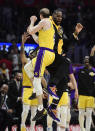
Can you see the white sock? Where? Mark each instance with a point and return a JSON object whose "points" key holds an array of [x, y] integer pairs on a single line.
{"points": [[33, 113], [81, 118], [63, 118], [40, 107], [24, 114], [88, 118], [49, 129], [58, 128]]}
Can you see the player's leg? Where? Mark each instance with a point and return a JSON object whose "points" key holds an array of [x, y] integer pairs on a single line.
{"points": [[49, 123], [63, 103], [44, 59], [63, 120], [24, 116], [58, 115], [62, 65], [68, 118], [81, 106], [89, 108], [33, 113], [88, 118]]}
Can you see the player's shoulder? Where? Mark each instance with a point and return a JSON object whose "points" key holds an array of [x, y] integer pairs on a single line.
{"points": [[45, 20]]}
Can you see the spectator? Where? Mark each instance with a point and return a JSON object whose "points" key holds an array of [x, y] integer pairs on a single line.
{"points": [[6, 113], [14, 93], [4, 70]]}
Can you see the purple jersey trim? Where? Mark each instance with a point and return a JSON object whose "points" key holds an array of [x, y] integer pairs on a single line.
{"points": [[44, 48], [39, 61]]}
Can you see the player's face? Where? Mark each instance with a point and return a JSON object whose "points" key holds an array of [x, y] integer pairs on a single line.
{"points": [[57, 17], [19, 76], [33, 55]]}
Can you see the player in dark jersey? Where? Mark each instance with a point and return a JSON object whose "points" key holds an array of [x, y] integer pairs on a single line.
{"points": [[85, 76], [62, 43]]}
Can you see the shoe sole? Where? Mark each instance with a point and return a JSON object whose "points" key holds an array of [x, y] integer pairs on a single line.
{"points": [[40, 117]]}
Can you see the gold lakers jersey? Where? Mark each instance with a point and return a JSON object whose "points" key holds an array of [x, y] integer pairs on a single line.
{"points": [[27, 90], [60, 33], [46, 37]]}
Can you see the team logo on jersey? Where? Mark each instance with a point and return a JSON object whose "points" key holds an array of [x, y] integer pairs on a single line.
{"points": [[36, 73], [60, 31], [91, 73]]}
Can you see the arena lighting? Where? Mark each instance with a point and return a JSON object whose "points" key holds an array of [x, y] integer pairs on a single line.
{"points": [[27, 46]]}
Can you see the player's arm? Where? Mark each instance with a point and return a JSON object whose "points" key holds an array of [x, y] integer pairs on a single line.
{"points": [[44, 83], [92, 51], [23, 58], [72, 79], [33, 29], [35, 37], [70, 85], [78, 29]]}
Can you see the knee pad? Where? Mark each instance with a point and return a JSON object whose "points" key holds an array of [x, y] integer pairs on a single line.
{"points": [[37, 86]]}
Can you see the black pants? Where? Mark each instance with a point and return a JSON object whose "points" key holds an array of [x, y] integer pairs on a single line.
{"points": [[5, 120], [58, 69]]}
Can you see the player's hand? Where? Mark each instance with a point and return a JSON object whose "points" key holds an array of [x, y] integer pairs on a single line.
{"points": [[92, 51], [25, 36], [70, 85], [33, 19], [78, 28]]}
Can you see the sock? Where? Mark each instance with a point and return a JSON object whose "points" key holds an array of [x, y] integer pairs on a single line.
{"points": [[58, 128], [88, 118], [49, 128], [24, 114], [81, 118]]}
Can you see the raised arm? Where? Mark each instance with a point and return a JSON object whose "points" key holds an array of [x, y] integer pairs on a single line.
{"points": [[33, 29], [23, 58]]}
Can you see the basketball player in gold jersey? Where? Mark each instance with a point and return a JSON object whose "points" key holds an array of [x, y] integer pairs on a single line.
{"points": [[27, 88], [45, 56]]}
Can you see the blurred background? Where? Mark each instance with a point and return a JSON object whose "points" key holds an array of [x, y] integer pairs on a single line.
{"points": [[14, 19]]}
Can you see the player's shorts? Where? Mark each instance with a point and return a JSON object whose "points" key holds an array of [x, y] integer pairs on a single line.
{"points": [[63, 101], [27, 91], [85, 102], [44, 58]]}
